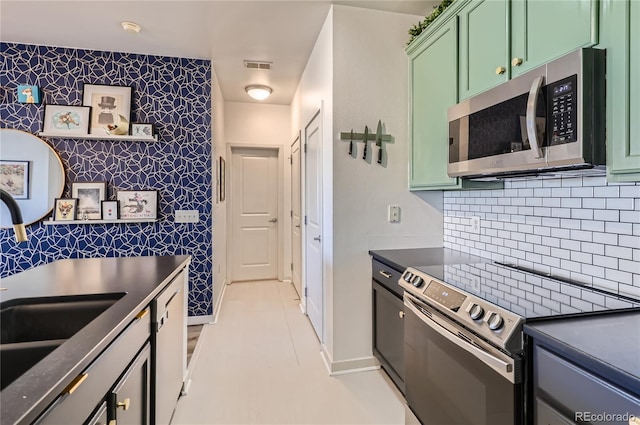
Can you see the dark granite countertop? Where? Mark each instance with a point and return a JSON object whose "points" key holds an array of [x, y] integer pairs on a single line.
{"points": [[141, 278], [607, 344], [400, 259]]}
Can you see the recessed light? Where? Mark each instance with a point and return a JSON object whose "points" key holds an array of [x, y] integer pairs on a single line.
{"points": [[258, 92], [130, 26]]}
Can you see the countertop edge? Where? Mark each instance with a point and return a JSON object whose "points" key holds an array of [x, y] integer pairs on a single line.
{"points": [[584, 360], [9, 402]]}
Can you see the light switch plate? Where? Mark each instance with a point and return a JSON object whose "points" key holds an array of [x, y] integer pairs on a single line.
{"points": [[187, 216], [475, 225], [394, 213]]}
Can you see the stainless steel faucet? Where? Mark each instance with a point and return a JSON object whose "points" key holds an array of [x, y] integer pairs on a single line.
{"points": [[16, 216]]}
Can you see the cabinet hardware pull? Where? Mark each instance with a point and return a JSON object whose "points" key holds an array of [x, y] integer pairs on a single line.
{"points": [[124, 405], [385, 274], [516, 61], [142, 313], [401, 314], [500, 70], [75, 383]]}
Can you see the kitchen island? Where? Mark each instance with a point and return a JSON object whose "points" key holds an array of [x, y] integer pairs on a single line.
{"points": [[136, 282]]}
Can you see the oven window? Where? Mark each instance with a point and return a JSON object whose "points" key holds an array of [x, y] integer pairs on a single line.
{"points": [[445, 384]]}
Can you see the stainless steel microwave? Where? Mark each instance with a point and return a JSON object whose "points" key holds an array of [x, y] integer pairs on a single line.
{"points": [[551, 119]]}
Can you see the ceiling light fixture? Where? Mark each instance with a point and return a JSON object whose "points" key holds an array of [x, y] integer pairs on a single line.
{"points": [[258, 92], [130, 26]]}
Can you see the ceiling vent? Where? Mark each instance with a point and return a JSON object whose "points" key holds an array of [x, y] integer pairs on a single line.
{"points": [[258, 65]]}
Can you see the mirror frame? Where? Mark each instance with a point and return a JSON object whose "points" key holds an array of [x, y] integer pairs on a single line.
{"points": [[58, 193]]}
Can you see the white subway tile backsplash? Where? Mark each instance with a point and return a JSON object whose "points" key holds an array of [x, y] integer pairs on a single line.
{"points": [[581, 228]]}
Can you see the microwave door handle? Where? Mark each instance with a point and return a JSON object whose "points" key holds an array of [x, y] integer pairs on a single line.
{"points": [[531, 117]]}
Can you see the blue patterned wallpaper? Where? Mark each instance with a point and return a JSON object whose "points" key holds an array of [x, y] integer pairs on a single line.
{"points": [[173, 93]]}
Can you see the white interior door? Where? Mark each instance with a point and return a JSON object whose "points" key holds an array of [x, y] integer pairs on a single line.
{"points": [[296, 206], [313, 230], [254, 200]]}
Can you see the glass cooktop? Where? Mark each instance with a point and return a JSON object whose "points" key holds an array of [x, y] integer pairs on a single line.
{"points": [[525, 293]]}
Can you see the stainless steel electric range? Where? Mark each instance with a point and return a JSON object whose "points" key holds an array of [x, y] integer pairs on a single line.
{"points": [[464, 350]]}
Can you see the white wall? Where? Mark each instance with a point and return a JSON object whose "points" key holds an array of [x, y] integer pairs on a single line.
{"points": [[371, 84], [257, 124], [219, 208], [359, 70]]}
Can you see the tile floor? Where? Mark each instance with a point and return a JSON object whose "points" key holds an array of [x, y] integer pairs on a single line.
{"points": [[261, 364]]}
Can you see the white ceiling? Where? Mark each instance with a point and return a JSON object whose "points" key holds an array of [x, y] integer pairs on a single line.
{"points": [[227, 32]]}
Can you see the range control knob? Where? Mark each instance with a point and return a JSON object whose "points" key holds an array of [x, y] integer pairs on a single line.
{"points": [[495, 322], [407, 277], [417, 281], [476, 312]]}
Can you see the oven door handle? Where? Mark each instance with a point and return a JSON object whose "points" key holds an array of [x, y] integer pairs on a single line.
{"points": [[506, 369]]}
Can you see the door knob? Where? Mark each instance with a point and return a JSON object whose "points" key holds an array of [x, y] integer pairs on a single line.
{"points": [[500, 70], [298, 226], [516, 61], [273, 220], [401, 314], [124, 405], [317, 238]]}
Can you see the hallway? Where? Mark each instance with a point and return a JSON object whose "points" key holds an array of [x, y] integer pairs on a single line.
{"points": [[261, 364]]}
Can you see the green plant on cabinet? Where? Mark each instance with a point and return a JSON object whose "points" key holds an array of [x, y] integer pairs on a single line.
{"points": [[501, 39], [621, 37]]}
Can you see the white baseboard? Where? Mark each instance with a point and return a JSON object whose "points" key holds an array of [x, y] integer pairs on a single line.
{"points": [[199, 320], [342, 367], [218, 306], [192, 361]]}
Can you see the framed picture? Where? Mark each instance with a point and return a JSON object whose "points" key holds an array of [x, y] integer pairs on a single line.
{"points": [[14, 178], [221, 179], [110, 210], [110, 108], [63, 120], [28, 94], [142, 129], [90, 195], [138, 204], [65, 209]]}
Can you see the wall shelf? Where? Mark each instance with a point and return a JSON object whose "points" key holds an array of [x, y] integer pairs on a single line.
{"points": [[98, 137], [118, 221]]}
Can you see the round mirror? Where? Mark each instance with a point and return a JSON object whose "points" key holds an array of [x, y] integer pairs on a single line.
{"points": [[32, 172]]}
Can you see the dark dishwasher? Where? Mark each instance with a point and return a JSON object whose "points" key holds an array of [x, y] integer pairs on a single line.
{"points": [[388, 313]]}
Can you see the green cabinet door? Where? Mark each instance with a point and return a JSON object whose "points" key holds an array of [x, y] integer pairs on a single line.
{"points": [[542, 30], [483, 46], [432, 86], [621, 38]]}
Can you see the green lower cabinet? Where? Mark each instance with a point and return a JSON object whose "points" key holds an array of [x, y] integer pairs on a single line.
{"points": [[433, 88], [542, 30], [621, 38]]}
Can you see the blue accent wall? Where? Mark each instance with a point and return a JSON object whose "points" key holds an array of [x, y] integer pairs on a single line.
{"points": [[172, 93]]}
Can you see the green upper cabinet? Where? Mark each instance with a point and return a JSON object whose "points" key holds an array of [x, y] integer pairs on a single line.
{"points": [[501, 39], [542, 30], [621, 37], [432, 91], [483, 46]]}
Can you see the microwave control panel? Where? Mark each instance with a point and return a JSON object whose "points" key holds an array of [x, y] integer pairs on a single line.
{"points": [[563, 97]]}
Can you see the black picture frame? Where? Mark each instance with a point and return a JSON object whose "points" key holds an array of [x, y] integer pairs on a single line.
{"points": [[110, 210], [90, 196], [65, 209]]}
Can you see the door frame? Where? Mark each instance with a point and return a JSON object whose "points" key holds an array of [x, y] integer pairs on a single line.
{"points": [[300, 177], [229, 194]]}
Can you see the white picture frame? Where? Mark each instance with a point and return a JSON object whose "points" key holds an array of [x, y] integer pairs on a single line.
{"points": [[66, 120]]}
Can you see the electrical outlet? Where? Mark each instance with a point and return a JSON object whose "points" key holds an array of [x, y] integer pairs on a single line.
{"points": [[394, 213], [187, 216], [475, 225], [475, 283]]}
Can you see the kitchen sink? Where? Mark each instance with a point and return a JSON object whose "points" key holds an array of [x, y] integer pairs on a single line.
{"points": [[31, 328]]}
